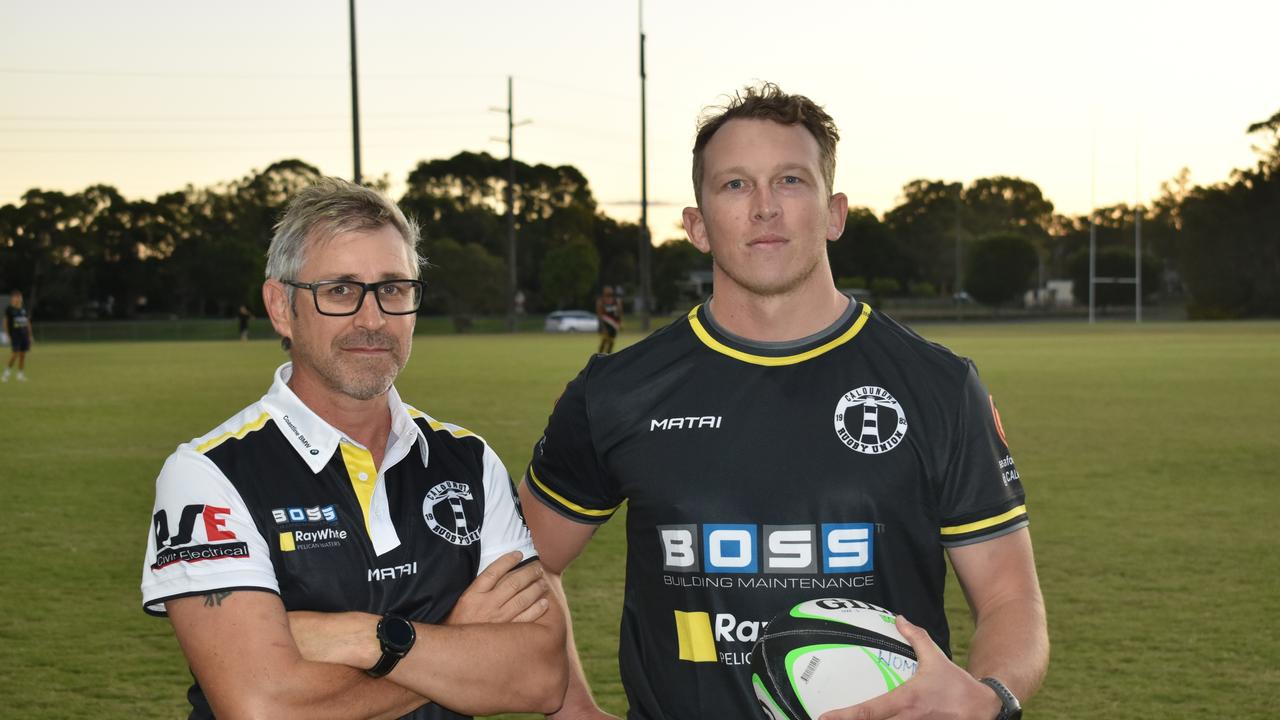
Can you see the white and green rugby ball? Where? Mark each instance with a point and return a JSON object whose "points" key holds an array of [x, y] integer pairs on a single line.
{"points": [[828, 654]]}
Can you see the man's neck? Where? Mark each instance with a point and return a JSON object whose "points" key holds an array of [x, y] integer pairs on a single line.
{"points": [[368, 422], [777, 318]]}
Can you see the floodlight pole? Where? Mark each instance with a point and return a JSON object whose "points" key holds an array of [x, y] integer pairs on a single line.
{"points": [[645, 247], [511, 212], [1137, 264], [1137, 233], [1093, 211], [1093, 250], [355, 96], [956, 296], [510, 196]]}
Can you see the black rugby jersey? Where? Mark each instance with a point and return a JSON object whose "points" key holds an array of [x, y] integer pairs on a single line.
{"points": [[278, 500], [757, 477]]}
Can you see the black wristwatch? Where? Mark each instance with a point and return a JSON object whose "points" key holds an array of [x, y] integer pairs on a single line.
{"points": [[396, 636], [1010, 708]]}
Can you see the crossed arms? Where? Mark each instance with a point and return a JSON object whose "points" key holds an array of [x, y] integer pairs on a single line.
{"points": [[501, 649]]}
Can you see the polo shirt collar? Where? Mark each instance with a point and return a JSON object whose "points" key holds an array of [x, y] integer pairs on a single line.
{"points": [[316, 440]]}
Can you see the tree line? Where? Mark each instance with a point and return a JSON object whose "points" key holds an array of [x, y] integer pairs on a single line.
{"points": [[200, 251]]}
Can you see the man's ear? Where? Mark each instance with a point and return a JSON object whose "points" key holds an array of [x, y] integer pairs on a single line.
{"points": [[696, 229], [275, 298], [837, 215]]}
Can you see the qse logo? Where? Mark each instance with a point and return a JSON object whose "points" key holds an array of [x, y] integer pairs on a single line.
{"points": [[741, 548], [179, 548]]}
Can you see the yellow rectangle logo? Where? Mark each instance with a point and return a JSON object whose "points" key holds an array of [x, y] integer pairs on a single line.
{"points": [[693, 632], [286, 542]]}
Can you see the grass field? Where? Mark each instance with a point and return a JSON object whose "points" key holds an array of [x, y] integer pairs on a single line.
{"points": [[1149, 454]]}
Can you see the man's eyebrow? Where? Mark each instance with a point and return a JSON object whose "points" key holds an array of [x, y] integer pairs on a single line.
{"points": [[350, 277], [782, 167]]}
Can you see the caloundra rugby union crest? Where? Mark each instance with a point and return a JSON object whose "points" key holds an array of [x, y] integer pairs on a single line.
{"points": [[869, 420]]}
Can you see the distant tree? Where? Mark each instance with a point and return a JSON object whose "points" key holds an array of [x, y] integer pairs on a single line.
{"points": [[1006, 204], [1229, 243], [924, 224], [465, 279], [569, 274], [868, 248], [1000, 268], [463, 198], [673, 260], [885, 287]]}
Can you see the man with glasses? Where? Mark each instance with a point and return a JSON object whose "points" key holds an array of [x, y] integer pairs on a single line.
{"points": [[331, 551]]}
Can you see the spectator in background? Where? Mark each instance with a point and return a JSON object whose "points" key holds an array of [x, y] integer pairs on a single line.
{"points": [[18, 325]]}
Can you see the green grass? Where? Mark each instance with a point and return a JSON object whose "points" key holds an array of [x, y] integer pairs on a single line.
{"points": [[1149, 455]]}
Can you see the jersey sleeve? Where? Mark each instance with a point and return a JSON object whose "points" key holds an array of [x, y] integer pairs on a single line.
{"points": [[202, 537], [503, 529], [982, 496], [566, 473]]}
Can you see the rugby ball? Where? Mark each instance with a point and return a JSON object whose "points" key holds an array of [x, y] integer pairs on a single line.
{"points": [[827, 654]]}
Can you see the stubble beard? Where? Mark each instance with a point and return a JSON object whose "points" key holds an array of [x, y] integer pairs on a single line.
{"points": [[770, 286], [361, 378]]}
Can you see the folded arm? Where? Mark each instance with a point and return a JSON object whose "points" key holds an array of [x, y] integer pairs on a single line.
{"points": [[242, 653], [502, 648]]}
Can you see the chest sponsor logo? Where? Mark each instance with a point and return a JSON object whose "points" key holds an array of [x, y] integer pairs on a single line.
{"points": [[395, 572], [305, 515], [451, 511], [748, 549], [201, 535], [698, 422], [869, 420], [328, 537]]}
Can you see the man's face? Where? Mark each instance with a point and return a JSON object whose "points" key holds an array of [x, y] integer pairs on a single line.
{"points": [[766, 213], [357, 355], [15, 299]]}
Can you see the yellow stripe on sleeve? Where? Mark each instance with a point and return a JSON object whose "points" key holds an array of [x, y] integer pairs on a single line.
{"points": [[567, 502], [983, 524]]}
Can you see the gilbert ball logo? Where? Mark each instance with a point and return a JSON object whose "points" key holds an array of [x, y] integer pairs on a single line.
{"points": [[869, 420]]}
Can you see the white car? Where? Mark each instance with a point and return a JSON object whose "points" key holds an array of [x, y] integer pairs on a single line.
{"points": [[572, 321]]}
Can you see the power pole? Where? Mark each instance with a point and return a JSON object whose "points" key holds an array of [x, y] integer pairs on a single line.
{"points": [[957, 297], [355, 95], [645, 247], [510, 195]]}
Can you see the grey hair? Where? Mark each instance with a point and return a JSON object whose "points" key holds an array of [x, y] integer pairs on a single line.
{"points": [[331, 207]]}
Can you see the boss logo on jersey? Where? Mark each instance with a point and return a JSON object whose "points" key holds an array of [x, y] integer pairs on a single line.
{"points": [[186, 546], [869, 420], [450, 512], [768, 549], [300, 515]]}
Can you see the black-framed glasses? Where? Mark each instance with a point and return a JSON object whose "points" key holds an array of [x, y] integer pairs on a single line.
{"points": [[345, 297]]}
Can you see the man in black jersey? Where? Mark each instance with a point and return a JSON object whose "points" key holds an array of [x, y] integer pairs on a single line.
{"points": [[609, 316], [331, 551], [782, 443]]}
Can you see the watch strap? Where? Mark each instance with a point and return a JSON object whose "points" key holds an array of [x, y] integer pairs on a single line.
{"points": [[390, 655], [1010, 708]]}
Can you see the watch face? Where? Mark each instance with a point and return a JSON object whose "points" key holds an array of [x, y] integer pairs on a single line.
{"points": [[397, 632]]}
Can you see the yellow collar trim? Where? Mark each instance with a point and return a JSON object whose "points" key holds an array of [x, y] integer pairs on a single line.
{"points": [[769, 360]]}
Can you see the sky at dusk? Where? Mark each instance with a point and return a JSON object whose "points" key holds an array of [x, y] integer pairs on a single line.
{"points": [[1093, 101]]}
